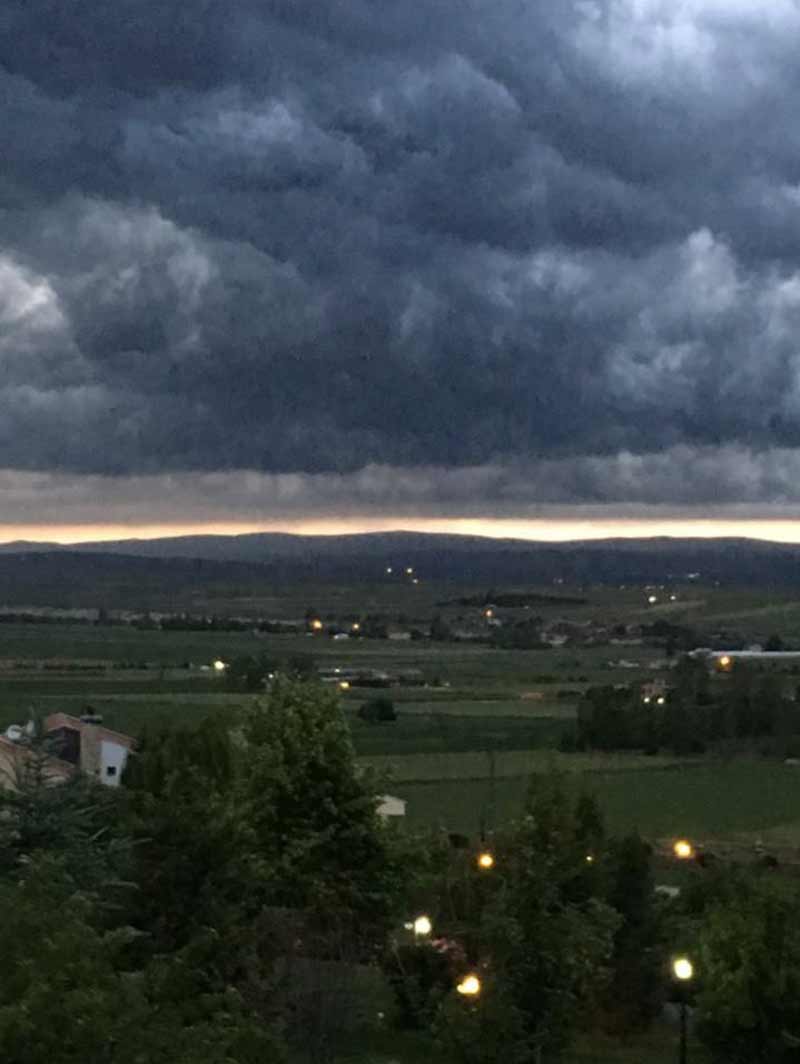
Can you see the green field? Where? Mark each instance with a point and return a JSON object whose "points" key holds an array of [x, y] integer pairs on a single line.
{"points": [[467, 735], [518, 708], [514, 764], [458, 664], [445, 734], [127, 714], [707, 801], [411, 734]]}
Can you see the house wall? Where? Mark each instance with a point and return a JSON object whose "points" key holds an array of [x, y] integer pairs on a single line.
{"points": [[112, 756]]}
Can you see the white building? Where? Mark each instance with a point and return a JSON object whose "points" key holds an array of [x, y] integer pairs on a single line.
{"points": [[83, 741], [389, 806]]}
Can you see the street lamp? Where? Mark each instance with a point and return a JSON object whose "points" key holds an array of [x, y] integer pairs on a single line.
{"points": [[683, 850], [422, 926], [470, 986], [485, 861], [683, 970]]}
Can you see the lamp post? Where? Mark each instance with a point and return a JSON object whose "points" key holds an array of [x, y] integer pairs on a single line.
{"points": [[470, 986], [683, 970], [683, 850], [422, 927]]}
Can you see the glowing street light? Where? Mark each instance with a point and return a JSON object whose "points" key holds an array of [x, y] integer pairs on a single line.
{"points": [[725, 661], [470, 986], [422, 926], [590, 858], [683, 970], [485, 861], [344, 685], [683, 850], [652, 599], [219, 665], [316, 625]]}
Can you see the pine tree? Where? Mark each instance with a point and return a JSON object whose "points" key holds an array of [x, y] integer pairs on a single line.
{"points": [[320, 846], [636, 989]]}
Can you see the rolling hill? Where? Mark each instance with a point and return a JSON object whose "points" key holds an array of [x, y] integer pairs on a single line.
{"points": [[178, 568]]}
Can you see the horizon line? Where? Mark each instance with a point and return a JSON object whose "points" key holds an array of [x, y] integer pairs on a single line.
{"points": [[534, 530]]}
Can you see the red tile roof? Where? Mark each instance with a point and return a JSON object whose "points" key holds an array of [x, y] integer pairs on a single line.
{"points": [[64, 720]]}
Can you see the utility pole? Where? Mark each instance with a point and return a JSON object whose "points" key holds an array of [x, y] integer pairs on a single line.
{"points": [[684, 1047]]}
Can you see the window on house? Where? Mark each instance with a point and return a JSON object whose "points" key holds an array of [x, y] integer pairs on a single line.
{"points": [[111, 770]]}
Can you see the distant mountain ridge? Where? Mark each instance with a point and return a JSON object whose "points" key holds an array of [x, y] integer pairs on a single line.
{"points": [[265, 547], [179, 570]]}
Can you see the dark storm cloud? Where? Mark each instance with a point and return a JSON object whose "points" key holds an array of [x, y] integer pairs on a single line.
{"points": [[675, 484], [314, 237]]}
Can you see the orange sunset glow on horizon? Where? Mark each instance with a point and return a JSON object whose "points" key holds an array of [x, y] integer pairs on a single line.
{"points": [[549, 530]]}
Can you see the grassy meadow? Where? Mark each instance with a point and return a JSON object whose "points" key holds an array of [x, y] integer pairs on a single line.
{"points": [[710, 802], [468, 736]]}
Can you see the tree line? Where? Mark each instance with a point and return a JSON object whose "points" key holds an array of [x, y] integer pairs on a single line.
{"points": [[745, 708]]}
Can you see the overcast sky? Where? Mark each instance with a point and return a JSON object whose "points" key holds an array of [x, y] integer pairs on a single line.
{"points": [[277, 262]]}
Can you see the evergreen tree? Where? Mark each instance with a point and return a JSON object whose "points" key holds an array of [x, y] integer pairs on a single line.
{"points": [[319, 843], [635, 991], [190, 840]]}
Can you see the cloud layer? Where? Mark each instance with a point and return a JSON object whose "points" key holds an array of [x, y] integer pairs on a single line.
{"points": [[502, 254], [678, 483]]}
